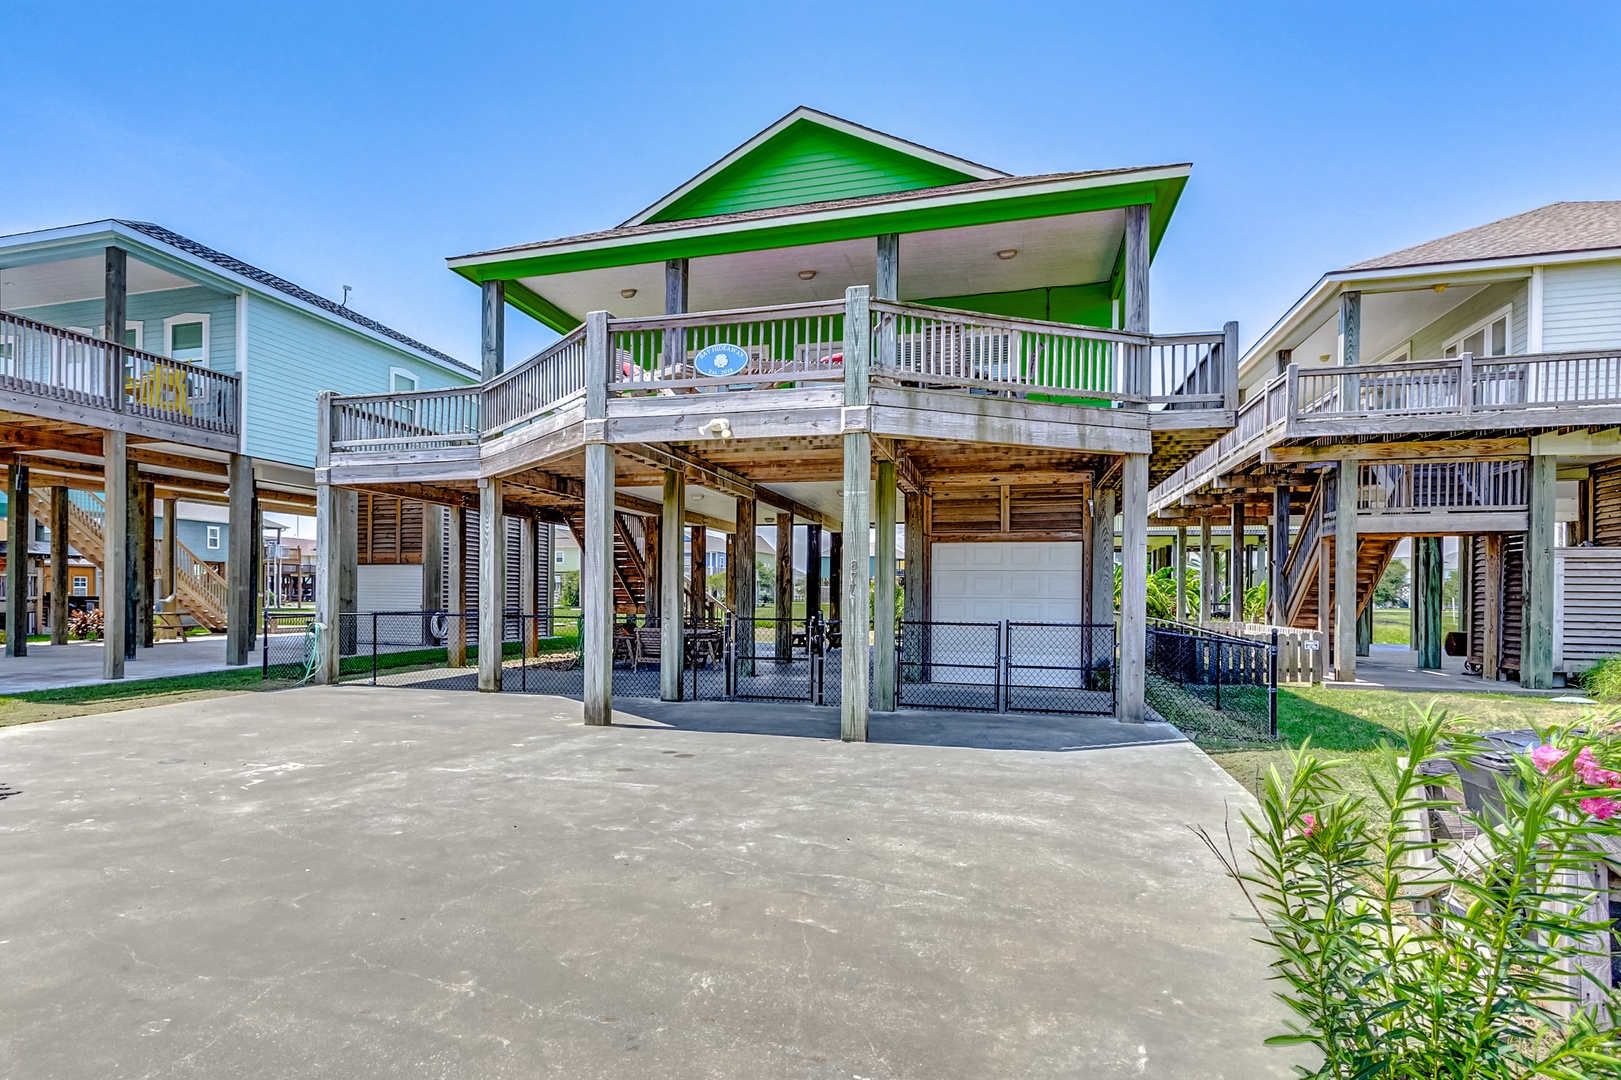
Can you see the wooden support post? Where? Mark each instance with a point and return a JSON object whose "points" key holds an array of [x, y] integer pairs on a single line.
{"points": [[1491, 632], [652, 591], [813, 571], [697, 584], [672, 638], [528, 591], [493, 330], [17, 536], [1235, 563], [675, 303], [1133, 587], [1427, 577], [1181, 572], [145, 550], [456, 587], [835, 576], [135, 531], [854, 701], [492, 583], [1466, 587], [327, 523], [1134, 298], [1536, 633], [1278, 556], [239, 562], [1364, 630], [545, 568], [1102, 556], [728, 578], [115, 534], [1345, 552], [883, 594], [347, 542], [166, 553], [433, 557], [59, 565], [1207, 570], [1325, 594], [596, 555], [115, 290], [745, 588], [887, 281], [914, 599], [783, 601]]}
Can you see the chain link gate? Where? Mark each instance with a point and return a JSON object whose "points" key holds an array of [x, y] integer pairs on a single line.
{"points": [[949, 665], [785, 659], [1213, 686], [1061, 668]]}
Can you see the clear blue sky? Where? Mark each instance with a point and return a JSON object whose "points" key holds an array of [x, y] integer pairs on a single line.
{"points": [[362, 144]]}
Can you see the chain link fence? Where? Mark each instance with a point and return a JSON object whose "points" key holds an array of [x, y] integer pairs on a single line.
{"points": [[1061, 668], [1213, 687], [949, 665], [289, 644]]}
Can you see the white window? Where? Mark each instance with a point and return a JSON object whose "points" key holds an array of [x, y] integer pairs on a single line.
{"points": [[401, 381], [134, 332], [1489, 337], [213, 538], [1399, 355], [33, 586], [81, 585], [185, 337]]}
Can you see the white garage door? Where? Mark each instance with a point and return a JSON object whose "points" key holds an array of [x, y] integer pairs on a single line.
{"points": [[1031, 582]]}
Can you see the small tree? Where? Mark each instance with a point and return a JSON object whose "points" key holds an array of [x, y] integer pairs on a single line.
{"points": [[1485, 985], [1392, 587]]}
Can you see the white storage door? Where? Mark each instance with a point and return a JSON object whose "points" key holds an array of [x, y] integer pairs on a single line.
{"points": [[1035, 582], [387, 587]]}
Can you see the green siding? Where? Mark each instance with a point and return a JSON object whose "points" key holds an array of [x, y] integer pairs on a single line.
{"points": [[807, 163], [293, 356], [1082, 305]]}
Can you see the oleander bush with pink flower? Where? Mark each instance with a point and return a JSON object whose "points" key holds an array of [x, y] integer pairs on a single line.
{"points": [[1403, 958]]}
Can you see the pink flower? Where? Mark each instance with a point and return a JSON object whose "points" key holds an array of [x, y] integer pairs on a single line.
{"points": [[1592, 773], [1601, 807], [1308, 824], [1546, 757]]}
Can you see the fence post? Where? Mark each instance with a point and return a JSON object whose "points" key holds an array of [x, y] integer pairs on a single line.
{"points": [[1272, 688], [264, 654], [1216, 656], [374, 648]]}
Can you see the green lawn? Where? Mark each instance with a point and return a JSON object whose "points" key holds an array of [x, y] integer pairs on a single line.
{"points": [[1350, 724], [1394, 626], [35, 705]]}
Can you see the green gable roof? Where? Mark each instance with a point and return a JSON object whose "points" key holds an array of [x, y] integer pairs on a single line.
{"points": [[808, 162]]}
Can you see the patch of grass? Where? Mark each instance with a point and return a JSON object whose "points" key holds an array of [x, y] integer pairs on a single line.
{"points": [[1394, 626], [35, 705], [1603, 680]]}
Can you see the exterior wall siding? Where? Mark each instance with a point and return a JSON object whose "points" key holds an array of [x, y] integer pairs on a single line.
{"points": [[1581, 306], [293, 356], [1429, 342], [149, 310]]}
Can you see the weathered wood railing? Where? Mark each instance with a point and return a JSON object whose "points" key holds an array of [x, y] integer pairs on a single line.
{"points": [[1460, 386], [545, 382], [790, 343], [1305, 545], [1267, 408], [1301, 653], [417, 420], [46, 362], [1441, 486]]}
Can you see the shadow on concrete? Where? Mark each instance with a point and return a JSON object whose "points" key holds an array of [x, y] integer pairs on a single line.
{"points": [[909, 727]]}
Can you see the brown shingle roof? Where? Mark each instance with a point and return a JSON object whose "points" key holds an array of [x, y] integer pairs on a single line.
{"points": [[1553, 229], [766, 213]]}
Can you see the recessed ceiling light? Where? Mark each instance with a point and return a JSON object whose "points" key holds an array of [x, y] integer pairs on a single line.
{"points": [[1007, 253], [627, 293], [1441, 287], [806, 275]]}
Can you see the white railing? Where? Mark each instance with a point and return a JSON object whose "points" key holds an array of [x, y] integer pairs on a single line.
{"points": [[542, 384], [421, 419], [1441, 486], [775, 346], [41, 361]]}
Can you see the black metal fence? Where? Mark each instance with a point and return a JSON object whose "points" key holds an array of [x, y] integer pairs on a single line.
{"points": [[289, 644], [1212, 686], [1061, 667], [784, 659], [949, 665]]}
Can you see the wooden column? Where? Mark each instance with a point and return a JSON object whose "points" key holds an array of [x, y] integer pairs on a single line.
{"points": [[545, 569], [671, 622], [328, 521], [166, 553], [915, 599], [813, 571], [1235, 563], [835, 576], [1536, 633], [347, 542], [1364, 629], [17, 535], [784, 598], [675, 303], [115, 289], [1102, 557], [1181, 572], [60, 588], [729, 588], [745, 587], [883, 593], [1278, 555], [433, 557], [855, 703], [1134, 298], [1491, 633], [653, 541], [596, 554], [456, 587], [239, 561], [1427, 578], [1207, 570], [528, 590], [1351, 327], [1466, 587], [492, 582], [115, 534], [493, 330], [698, 585], [145, 550], [135, 534], [1133, 587], [1345, 587], [887, 281]]}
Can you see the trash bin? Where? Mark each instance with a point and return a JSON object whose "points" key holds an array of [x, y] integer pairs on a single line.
{"points": [[1478, 775]]}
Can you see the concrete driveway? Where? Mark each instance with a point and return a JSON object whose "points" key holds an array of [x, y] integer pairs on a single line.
{"points": [[355, 882]]}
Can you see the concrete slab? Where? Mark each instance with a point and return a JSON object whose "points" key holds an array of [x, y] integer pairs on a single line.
{"points": [[78, 663], [348, 881], [1395, 667]]}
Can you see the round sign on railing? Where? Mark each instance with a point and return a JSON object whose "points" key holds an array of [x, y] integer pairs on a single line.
{"points": [[720, 359]]}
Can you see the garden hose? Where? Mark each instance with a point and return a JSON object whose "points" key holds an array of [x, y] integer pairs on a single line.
{"points": [[312, 635]]}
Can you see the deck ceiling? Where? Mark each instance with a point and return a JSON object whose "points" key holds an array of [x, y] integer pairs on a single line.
{"points": [[1074, 249], [69, 280]]}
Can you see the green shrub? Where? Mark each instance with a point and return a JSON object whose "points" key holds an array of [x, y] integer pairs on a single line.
{"points": [[1603, 679]]}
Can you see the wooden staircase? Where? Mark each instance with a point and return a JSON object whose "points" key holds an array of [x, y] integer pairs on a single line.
{"points": [[200, 589], [630, 572], [1301, 571]]}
